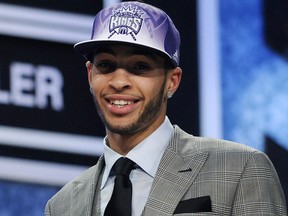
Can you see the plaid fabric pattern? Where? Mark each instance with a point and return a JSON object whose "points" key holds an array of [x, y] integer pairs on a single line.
{"points": [[239, 180]]}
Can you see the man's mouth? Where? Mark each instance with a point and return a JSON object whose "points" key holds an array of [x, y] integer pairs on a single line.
{"points": [[121, 103]]}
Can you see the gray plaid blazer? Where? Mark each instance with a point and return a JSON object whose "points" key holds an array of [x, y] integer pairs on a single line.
{"points": [[237, 179]]}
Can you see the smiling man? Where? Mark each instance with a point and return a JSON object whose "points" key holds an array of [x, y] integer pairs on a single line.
{"points": [[130, 88], [149, 166]]}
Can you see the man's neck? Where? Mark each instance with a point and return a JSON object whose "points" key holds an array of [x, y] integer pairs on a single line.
{"points": [[122, 144]]}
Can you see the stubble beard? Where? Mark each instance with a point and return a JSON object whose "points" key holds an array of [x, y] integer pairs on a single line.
{"points": [[146, 118]]}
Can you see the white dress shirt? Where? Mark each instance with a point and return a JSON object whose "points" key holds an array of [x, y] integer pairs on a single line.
{"points": [[147, 156]]}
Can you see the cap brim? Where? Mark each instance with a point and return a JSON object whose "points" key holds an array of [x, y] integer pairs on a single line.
{"points": [[86, 48]]}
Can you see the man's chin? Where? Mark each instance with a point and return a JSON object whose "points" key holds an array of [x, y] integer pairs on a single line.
{"points": [[122, 129], [128, 130]]}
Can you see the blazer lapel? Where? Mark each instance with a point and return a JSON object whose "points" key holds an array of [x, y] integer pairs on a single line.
{"points": [[178, 168], [84, 192]]}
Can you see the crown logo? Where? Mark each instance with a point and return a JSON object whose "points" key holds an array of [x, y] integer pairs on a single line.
{"points": [[126, 21]]}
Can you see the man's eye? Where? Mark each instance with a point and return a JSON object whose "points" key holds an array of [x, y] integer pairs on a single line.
{"points": [[105, 67], [139, 68]]}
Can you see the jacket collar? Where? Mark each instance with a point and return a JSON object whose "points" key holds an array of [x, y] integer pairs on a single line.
{"points": [[179, 166], [85, 189]]}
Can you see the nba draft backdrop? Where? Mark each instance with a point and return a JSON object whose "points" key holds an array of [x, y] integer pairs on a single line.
{"points": [[234, 58], [254, 74]]}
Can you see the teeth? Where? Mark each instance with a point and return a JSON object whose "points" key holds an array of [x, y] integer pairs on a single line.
{"points": [[121, 103]]}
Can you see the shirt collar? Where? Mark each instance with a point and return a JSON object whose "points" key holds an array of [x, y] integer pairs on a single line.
{"points": [[151, 147]]}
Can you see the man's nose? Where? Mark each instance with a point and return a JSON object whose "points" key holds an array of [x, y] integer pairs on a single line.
{"points": [[120, 80]]}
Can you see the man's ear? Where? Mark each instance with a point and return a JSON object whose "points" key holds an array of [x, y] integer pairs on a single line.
{"points": [[89, 73], [174, 79]]}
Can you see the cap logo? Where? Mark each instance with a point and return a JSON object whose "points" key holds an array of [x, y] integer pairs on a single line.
{"points": [[126, 21], [175, 56]]}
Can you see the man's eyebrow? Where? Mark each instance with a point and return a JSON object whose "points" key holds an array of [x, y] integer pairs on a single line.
{"points": [[135, 51], [144, 52], [103, 50]]}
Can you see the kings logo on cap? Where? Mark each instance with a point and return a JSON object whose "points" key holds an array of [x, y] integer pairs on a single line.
{"points": [[126, 21]]}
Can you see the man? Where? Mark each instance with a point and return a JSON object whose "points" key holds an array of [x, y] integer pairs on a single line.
{"points": [[133, 69]]}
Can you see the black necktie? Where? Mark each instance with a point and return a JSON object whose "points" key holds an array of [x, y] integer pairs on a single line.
{"points": [[120, 202]]}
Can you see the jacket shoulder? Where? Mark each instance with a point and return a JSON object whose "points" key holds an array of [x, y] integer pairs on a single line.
{"points": [[188, 142], [60, 203]]}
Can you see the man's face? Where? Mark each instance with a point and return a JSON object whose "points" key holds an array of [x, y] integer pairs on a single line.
{"points": [[129, 88]]}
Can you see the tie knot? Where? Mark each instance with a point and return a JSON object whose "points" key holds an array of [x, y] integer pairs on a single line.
{"points": [[123, 166]]}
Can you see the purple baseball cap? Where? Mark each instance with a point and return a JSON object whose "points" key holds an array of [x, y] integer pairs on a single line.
{"points": [[134, 23]]}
